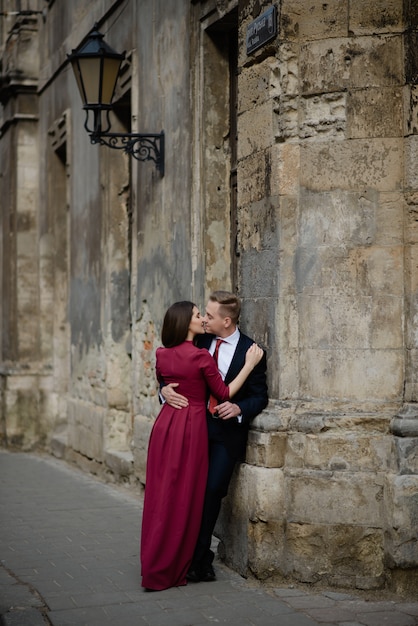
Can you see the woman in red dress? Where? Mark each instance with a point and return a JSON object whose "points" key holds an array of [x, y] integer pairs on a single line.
{"points": [[177, 461]]}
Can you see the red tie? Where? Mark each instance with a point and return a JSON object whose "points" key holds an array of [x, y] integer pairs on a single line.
{"points": [[212, 400]]}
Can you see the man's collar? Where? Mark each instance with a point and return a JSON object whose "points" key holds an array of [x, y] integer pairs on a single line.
{"points": [[232, 338]]}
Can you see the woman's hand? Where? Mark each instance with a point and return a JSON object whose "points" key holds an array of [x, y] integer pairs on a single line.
{"points": [[254, 355]]}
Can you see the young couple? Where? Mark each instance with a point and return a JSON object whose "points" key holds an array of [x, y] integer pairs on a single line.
{"points": [[187, 478]]}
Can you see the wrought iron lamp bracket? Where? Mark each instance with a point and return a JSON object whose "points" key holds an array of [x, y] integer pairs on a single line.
{"points": [[141, 146]]}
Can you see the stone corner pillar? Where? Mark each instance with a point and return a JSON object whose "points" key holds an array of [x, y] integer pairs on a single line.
{"points": [[405, 423]]}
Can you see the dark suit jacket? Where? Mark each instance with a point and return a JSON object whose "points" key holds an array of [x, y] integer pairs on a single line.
{"points": [[252, 398]]}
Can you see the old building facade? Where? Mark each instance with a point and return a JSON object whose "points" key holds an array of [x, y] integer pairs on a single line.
{"points": [[290, 176]]}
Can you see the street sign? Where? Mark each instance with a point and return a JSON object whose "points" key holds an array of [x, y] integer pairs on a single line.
{"points": [[261, 30]]}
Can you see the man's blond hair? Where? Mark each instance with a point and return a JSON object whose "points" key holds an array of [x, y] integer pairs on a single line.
{"points": [[230, 304]]}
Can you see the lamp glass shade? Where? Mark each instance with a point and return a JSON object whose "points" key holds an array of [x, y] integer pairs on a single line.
{"points": [[96, 79], [96, 68], [79, 79], [109, 78]]}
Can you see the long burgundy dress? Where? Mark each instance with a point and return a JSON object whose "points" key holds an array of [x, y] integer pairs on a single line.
{"points": [[177, 466]]}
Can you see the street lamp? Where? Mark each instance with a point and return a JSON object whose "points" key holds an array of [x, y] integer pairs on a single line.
{"points": [[96, 67]]}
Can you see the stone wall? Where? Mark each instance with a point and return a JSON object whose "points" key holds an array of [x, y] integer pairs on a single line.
{"points": [[328, 493]]}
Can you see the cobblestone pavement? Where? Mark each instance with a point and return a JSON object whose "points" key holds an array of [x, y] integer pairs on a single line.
{"points": [[69, 550]]}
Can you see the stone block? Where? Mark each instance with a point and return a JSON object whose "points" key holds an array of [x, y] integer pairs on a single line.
{"points": [[259, 268], [323, 116], [406, 452], [335, 498], [374, 16], [405, 422], [389, 218], [261, 331], [286, 322], [339, 416], [287, 263], [363, 218], [85, 428], [266, 449], [58, 445], [117, 430], [28, 274], [306, 551], [362, 323], [286, 118], [266, 548], [288, 239], [254, 171], [289, 327], [411, 158], [285, 72], [345, 322], [274, 418], [252, 520], [264, 492], [320, 21], [288, 380], [411, 382], [258, 224], [255, 84], [376, 112], [118, 373], [285, 170], [402, 515], [119, 462], [335, 65], [340, 451], [411, 109], [231, 526], [28, 173], [386, 329], [357, 375], [20, 402], [346, 555], [141, 433], [255, 321], [256, 130], [411, 262], [352, 165], [379, 270]]}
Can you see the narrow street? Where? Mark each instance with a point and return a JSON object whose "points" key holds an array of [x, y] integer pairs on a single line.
{"points": [[69, 547]]}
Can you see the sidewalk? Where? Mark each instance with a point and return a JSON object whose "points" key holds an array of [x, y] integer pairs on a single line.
{"points": [[69, 550]]}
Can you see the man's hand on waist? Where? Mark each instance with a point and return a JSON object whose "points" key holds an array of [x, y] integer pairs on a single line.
{"points": [[228, 410], [174, 399]]}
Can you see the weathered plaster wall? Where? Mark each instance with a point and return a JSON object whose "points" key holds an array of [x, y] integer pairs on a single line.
{"points": [[162, 261], [26, 383]]}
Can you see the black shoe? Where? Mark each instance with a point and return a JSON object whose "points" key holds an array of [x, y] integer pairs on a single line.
{"points": [[208, 574], [193, 576]]}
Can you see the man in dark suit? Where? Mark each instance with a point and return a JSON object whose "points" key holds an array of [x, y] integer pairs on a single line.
{"points": [[229, 424]]}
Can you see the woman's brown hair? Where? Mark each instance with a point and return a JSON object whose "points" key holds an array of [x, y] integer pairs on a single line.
{"points": [[176, 323]]}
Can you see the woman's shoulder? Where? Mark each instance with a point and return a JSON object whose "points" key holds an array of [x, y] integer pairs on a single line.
{"points": [[201, 353], [204, 356]]}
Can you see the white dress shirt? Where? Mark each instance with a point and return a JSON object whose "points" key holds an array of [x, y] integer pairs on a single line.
{"points": [[225, 354], [226, 351]]}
